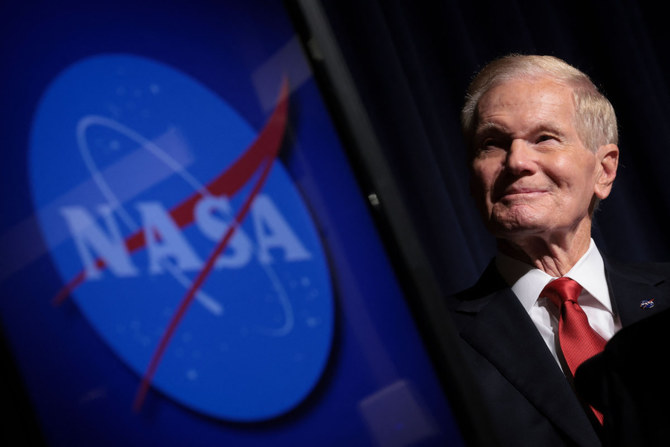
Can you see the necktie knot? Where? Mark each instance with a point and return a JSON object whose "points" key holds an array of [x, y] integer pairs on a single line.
{"points": [[561, 290]]}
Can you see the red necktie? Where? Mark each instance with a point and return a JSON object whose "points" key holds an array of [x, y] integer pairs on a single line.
{"points": [[577, 339]]}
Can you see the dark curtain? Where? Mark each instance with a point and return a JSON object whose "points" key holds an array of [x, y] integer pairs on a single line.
{"points": [[412, 60]]}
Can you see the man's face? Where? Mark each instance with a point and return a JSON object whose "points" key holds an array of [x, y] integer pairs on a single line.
{"points": [[532, 174]]}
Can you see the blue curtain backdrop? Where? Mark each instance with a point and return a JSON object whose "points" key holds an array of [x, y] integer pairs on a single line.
{"points": [[412, 62]]}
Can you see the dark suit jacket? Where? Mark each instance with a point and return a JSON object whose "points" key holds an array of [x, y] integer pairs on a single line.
{"points": [[529, 400], [628, 383]]}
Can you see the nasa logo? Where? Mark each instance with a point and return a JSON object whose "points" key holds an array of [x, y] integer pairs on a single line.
{"points": [[181, 237]]}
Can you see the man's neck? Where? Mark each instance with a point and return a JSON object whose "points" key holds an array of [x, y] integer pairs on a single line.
{"points": [[553, 255]]}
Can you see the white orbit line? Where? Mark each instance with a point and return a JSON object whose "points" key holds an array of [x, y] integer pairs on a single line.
{"points": [[284, 302], [207, 301], [82, 126]]}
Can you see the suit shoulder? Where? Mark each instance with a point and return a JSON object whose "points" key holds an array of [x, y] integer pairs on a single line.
{"points": [[652, 272], [488, 283]]}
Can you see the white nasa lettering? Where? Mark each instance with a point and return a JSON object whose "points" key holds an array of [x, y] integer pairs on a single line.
{"points": [[272, 232], [87, 236], [164, 240], [239, 249], [165, 243]]}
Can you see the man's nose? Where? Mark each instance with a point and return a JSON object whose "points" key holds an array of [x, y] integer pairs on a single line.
{"points": [[520, 157]]}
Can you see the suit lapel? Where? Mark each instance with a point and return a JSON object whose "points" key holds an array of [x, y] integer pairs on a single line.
{"points": [[502, 332]]}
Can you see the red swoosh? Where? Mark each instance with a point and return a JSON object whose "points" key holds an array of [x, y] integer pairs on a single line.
{"points": [[227, 183], [259, 156], [266, 147]]}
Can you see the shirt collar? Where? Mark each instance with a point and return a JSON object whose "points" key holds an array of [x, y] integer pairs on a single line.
{"points": [[527, 281]]}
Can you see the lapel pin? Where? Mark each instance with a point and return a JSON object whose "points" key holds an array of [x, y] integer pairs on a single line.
{"points": [[647, 304]]}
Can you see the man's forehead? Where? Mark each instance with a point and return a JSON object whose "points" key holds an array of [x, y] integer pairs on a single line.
{"points": [[539, 99], [527, 90]]}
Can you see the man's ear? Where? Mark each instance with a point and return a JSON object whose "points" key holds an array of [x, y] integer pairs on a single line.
{"points": [[607, 157]]}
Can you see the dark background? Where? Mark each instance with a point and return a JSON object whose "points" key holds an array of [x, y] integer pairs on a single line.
{"points": [[408, 66], [412, 62]]}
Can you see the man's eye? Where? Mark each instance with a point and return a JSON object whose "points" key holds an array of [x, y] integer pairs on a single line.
{"points": [[543, 138], [491, 143], [488, 148]]}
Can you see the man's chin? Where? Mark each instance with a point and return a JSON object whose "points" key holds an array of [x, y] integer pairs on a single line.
{"points": [[512, 230]]}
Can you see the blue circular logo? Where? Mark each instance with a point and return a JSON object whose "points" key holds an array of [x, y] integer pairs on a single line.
{"points": [[181, 238]]}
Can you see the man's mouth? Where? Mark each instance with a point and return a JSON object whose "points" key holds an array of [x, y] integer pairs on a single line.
{"points": [[521, 193]]}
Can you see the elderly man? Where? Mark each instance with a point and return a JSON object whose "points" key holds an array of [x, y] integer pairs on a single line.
{"points": [[543, 153]]}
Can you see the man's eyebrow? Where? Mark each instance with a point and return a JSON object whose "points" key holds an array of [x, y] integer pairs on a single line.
{"points": [[548, 127], [489, 128]]}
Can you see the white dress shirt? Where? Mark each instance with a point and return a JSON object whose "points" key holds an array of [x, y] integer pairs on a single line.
{"points": [[527, 282]]}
